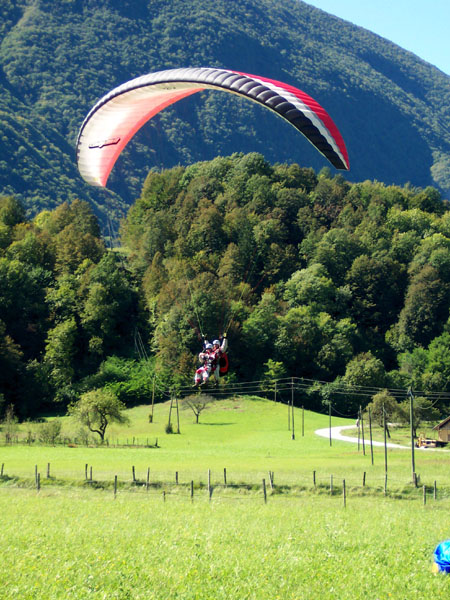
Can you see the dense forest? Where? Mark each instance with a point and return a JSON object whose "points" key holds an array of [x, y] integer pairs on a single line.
{"points": [[310, 276], [58, 58]]}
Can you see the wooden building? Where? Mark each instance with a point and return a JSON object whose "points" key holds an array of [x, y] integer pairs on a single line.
{"points": [[443, 429]]}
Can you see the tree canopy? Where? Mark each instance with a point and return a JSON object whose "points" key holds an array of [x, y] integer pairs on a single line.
{"points": [[356, 295]]}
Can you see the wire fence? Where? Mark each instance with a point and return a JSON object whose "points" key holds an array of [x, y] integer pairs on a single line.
{"points": [[261, 485]]}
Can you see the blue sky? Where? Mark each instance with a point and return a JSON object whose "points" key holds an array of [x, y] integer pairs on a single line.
{"points": [[423, 27]]}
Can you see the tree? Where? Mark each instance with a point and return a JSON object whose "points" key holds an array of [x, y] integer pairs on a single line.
{"points": [[9, 424], [364, 370], [197, 403], [425, 310], [96, 409], [383, 408], [60, 351], [423, 410], [50, 431]]}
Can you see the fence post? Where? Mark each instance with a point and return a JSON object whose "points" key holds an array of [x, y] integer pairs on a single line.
{"points": [[134, 474], [264, 491], [38, 481], [48, 470], [148, 479], [424, 495], [435, 490], [344, 493], [192, 491], [115, 486], [225, 476]]}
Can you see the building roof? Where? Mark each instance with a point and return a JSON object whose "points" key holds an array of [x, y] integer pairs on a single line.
{"points": [[441, 424]]}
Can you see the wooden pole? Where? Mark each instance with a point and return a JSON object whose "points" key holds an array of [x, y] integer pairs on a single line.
{"points": [[362, 432], [385, 442], [225, 476], [264, 491], [359, 427], [411, 420], [329, 419], [370, 435], [170, 409], [303, 421], [153, 397], [178, 416], [292, 408], [344, 493], [147, 483], [289, 415], [192, 491], [115, 486]]}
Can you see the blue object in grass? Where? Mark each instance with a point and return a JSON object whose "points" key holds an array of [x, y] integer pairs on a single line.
{"points": [[442, 556]]}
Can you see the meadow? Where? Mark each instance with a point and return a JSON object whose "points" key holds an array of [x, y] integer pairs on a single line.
{"points": [[74, 539]]}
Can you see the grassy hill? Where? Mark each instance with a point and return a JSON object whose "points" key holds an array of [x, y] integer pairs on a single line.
{"points": [[57, 59], [303, 543], [249, 436]]}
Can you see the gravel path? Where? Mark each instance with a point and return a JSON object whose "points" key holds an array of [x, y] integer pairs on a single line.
{"points": [[336, 434]]}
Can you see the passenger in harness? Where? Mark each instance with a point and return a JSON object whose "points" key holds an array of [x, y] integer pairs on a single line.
{"points": [[202, 373]]}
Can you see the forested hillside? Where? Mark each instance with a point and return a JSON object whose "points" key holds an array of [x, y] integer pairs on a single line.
{"points": [[310, 276], [58, 58]]}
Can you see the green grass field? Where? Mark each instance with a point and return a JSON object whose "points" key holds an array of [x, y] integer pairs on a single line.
{"points": [[71, 540]]}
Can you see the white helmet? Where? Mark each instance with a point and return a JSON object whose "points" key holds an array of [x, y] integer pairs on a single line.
{"points": [[208, 346], [216, 343]]}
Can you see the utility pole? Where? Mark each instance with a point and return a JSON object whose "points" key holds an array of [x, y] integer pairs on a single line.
{"points": [[385, 444], [292, 404], [411, 419], [329, 417]]}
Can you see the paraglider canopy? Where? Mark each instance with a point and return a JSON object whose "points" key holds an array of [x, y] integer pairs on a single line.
{"points": [[115, 118]]}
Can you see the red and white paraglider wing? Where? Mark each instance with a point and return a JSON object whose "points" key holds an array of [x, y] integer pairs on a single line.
{"points": [[115, 119]]}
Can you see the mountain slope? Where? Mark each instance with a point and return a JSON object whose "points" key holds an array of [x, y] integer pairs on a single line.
{"points": [[57, 59]]}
